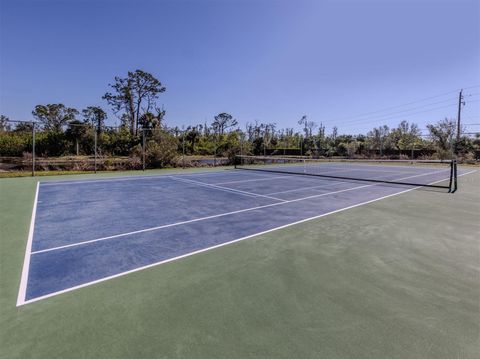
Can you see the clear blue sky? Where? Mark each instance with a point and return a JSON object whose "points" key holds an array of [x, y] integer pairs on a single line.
{"points": [[273, 61]]}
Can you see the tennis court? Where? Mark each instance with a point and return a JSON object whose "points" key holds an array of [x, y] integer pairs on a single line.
{"points": [[87, 231]]}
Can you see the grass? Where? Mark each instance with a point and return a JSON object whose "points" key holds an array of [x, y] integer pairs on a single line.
{"points": [[15, 174], [397, 278], [41, 174]]}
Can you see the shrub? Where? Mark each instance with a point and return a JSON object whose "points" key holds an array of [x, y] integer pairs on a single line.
{"points": [[14, 144]]}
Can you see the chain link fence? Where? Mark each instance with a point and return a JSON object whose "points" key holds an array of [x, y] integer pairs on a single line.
{"points": [[29, 148]]}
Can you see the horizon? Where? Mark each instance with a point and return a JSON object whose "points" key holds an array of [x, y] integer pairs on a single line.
{"points": [[351, 65]]}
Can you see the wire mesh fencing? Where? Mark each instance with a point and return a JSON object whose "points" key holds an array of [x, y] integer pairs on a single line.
{"points": [[29, 148], [17, 143]]}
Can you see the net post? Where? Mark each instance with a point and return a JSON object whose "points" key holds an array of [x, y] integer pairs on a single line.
{"points": [[450, 177], [33, 149], [455, 183]]}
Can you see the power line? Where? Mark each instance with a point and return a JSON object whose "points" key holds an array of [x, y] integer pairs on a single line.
{"points": [[396, 117], [397, 106], [471, 87], [387, 115], [402, 111], [358, 117], [474, 101], [369, 121]]}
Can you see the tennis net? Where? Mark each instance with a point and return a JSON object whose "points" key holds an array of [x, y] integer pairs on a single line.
{"points": [[425, 173]]}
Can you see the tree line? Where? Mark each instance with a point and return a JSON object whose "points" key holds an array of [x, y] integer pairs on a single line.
{"points": [[134, 99]]}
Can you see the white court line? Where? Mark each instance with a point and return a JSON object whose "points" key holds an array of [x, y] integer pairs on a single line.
{"points": [[212, 216], [252, 180], [224, 244], [22, 292], [204, 184], [135, 178], [373, 170], [304, 188]]}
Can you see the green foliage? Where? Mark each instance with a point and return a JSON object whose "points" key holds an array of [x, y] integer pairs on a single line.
{"points": [[117, 142], [160, 150], [15, 143], [222, 122], [163, 145], [135, 95], [206, 145], [96, 116], [442, 135], [134, 99], [229, 145], [24, 127], [51, 143], [192, 138], [467, 147], [54, 116], [80, 138], [149, 121], [405, 136]]}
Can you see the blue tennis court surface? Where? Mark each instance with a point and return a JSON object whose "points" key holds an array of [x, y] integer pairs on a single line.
{"points": [[88, 231]]}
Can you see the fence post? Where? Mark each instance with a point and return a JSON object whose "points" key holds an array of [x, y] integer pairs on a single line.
{"points": [[143, 149], [95, 145], [215, 151], [183, 150], [241, 145], [33, 149]]}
